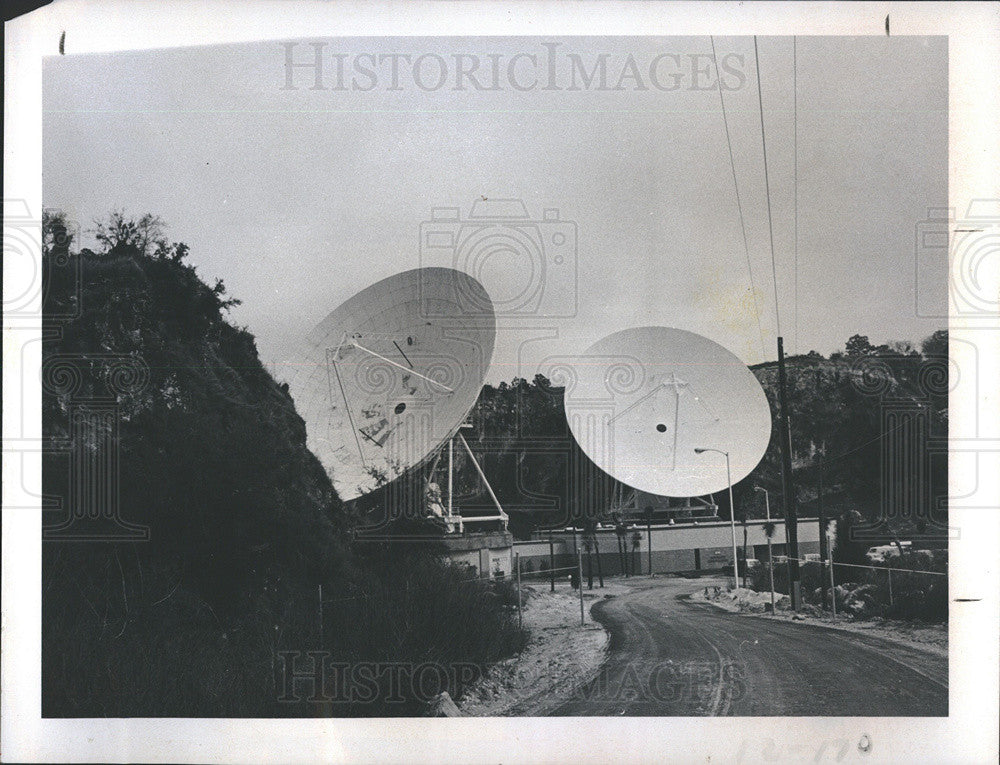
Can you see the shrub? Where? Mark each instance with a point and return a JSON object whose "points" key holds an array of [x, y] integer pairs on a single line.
{"points": [[422, 613], [810, 574]]}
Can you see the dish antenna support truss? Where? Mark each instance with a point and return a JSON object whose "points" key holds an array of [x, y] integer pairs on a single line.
{"points": [[454, 521], [626, 503]]}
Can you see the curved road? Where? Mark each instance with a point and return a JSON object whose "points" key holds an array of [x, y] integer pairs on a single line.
{"points": [[670, 656]]}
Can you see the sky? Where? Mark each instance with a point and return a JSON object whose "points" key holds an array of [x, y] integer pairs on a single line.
{"points": [[300, 187]]}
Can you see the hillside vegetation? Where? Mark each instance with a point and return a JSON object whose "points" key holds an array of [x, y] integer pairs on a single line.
{"points": [[199, 579]]}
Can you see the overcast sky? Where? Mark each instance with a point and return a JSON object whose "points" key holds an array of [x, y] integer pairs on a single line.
{"points": [[299, 197]]}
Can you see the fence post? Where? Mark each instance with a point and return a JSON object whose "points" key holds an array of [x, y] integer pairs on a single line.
{"points": [[833, 590], [889, 572], [321, 617], [517, 564], [579, 578], [552, 564], [770, 575]]}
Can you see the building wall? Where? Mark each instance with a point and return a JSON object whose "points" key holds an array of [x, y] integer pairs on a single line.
{"points": [[468, 557], [682, 547], [534, 557], [487, 553]]}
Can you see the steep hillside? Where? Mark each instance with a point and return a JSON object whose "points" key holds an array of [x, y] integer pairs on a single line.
{"points": [[189, 442]]}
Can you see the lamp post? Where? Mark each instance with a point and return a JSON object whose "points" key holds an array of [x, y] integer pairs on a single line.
{"points": [[770, 532], [732, 511]]}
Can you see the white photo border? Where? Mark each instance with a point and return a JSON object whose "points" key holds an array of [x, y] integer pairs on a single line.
{"points": [[969, 734]]}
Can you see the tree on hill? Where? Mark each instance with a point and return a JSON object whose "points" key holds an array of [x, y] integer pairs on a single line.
{"points": [[119, 234], [57, 236], [936, 345], [858, 345]]}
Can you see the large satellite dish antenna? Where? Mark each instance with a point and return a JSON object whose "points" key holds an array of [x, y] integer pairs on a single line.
{"points": [[389, 376], [640, 401]]}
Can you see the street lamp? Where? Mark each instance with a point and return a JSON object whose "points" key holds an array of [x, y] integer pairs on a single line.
{"points": [[770, 532], [732, 511]]}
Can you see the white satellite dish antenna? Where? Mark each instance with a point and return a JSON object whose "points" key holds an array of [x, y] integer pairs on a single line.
{"points": [[640, 401], [389, 376]]}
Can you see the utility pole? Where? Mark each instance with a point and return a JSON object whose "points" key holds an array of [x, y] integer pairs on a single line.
{"points": [[787, 487], [833, 592], [823, 546], [619, 534], [588, 545], [746, 564], [770, 557]]}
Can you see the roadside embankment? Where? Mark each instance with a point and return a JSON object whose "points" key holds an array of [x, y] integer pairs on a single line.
{"points": [[928, 637], [560, 654]]}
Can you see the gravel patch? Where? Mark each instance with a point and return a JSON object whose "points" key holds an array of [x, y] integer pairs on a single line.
{"points": [[560, 654]]}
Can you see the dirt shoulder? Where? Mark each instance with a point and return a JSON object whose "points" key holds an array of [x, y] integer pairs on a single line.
{"points": [[932, 638], [560, 654]]}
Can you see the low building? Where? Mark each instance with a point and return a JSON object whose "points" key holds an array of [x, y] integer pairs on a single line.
{"points": [[675, 547], [671, 548], [488, 553]]}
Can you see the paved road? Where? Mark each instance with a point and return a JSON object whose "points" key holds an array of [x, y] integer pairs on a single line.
{"points": [[669, 656]]}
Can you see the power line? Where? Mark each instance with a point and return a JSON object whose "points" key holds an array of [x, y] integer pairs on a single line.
{"points": [[795, 122], [767, 186], [873, 568], [739, 203]]}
